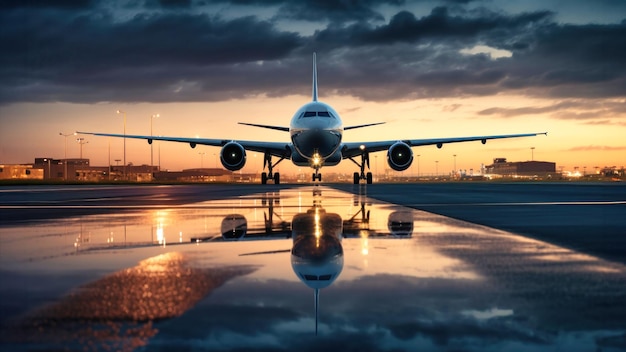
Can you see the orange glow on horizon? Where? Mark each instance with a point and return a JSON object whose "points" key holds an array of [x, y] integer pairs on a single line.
{"points": [[570, 142]]}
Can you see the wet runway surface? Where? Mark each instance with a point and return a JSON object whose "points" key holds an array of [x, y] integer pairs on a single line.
{"points": [[195, 268]]}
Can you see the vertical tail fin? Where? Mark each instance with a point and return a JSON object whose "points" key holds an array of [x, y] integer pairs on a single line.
{"points": [[314, 78]]}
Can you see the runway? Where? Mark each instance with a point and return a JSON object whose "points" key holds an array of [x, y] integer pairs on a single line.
{"points": [[440, 267]]}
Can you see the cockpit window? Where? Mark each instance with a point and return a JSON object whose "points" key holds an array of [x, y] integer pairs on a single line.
{"points": [[309, 277], [316, 113]]}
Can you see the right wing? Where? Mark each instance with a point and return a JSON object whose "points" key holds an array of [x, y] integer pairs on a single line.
{"points": [[353, 149], [278, 149]]}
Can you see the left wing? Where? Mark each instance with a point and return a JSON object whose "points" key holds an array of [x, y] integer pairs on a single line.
{"points": [[353, 149], [274, 148]]}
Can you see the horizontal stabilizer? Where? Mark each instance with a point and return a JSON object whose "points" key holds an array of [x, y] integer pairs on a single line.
{"points": [[359, 126], [279, 128]]}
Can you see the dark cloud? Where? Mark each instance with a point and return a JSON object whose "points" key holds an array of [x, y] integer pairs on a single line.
{"points": [[337, 11], [175, 3], [53, 57], [61, 4], [405, 27], [177, 52], [323, 10]]}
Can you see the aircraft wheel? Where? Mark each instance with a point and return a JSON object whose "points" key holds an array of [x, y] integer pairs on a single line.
{"points": [[263, 178], [319, 177], [356, 178], [313, 178], [369, 178], [277, 178]]}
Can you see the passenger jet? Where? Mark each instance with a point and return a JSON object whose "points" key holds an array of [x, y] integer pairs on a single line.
{"points": [[316, 132]]}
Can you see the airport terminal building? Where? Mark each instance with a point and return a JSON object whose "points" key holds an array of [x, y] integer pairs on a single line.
{"points": [[521, 168]]}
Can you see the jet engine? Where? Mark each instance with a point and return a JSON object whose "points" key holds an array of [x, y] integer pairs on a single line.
{"points": [[233, 156], [399, 156]]}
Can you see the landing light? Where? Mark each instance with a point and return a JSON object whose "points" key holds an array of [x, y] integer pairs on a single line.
{"points": [[362, 147]]}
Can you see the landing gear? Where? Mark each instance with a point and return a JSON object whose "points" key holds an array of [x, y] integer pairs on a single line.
{"points": [[317, 176], [357, 177], [267, 161]]}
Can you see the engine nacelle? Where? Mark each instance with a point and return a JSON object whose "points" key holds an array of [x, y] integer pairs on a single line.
{"points": [[399, 156], [233, 156]]}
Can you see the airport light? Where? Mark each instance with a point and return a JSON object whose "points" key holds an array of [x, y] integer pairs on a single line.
{"points": [[65, 155], [48, 160], [151, 144], [124, 114], [81, 141], [532, 153], [436, 167]]}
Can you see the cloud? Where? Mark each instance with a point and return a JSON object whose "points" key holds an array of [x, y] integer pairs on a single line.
{"points": [[580, 109], [169, 51], [605, 123], [60, 4], [336, 11], [440, 23], [593, 148]]}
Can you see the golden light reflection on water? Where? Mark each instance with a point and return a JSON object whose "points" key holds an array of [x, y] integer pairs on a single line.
{"points": [[117, 311]]}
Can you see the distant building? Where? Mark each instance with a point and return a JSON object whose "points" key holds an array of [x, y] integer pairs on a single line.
{"points": [[59, 169], [520, 168], [20, 172]]}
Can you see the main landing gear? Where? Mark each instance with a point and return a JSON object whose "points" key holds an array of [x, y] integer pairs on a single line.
{"points": [[316, 176], [270, 175], [365, 160]]}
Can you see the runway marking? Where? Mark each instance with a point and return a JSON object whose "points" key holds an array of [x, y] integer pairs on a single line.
{"points": [[65, 189], [183, 206], [612, 202]]}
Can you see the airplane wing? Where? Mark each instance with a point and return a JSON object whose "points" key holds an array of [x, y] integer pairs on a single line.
{"points": [[353, 149], [278, 128], [280, 149], [360, 126]]}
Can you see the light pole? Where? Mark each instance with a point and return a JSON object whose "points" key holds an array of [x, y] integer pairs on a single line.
{"points": [[436, 167], [152, 141], [532, 153], [201, 159], [418, 165], [124, 114], [81, 141], [454, 174], [376, 167], [65, 155]]}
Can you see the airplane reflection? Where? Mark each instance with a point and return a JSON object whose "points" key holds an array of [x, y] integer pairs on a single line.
{"points": [[317, 255], [235, 226]]}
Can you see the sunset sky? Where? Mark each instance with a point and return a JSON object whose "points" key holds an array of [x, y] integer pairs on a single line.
{"points": [[430, 68]]}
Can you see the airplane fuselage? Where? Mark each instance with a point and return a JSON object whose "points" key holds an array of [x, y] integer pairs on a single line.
{"points": [[316, 130]]}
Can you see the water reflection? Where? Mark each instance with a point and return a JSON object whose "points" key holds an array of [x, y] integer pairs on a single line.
{"points": [[117, 312], [390, 278]]}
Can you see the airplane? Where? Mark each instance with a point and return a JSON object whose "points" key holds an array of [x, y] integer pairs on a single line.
{"points": [[316, 131]]}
